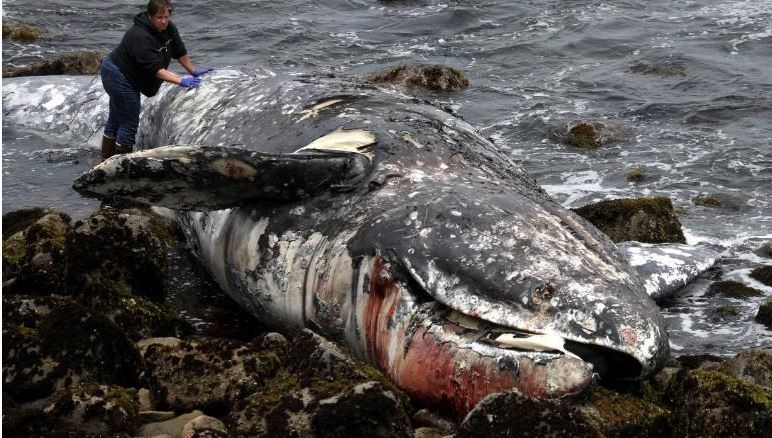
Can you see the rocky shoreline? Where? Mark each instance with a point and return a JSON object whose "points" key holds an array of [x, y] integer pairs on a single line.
{"points": [[93, 346]]}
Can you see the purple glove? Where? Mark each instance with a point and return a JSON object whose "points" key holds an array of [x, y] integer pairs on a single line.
{"points": [[189, 82], [199, 71]]}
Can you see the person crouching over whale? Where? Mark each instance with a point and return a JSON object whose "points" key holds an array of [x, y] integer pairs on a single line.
{"points": [[139, 65]]}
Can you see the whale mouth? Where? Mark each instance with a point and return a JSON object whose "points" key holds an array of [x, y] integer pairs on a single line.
{"points": [[605, 362]]}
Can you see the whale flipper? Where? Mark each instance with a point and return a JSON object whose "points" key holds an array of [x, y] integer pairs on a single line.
{"points": [[213, 177], [666, 268]]}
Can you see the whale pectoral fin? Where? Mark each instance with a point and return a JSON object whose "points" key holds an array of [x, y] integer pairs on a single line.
{"points": [[665, 268], [214, 178]]}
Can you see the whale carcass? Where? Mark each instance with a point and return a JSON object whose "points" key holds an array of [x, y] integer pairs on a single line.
{"points": [[394, 228]]}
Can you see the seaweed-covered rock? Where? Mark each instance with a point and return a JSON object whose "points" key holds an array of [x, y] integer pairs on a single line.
{"points": [[323, 392], [753, 365], [20, 32], [511, 414], [96, 409], [657, 69], [732, 289], [635, 175], [122, 251], [764, 250], [589, 134], [724, 312], [650, 220], [764, 315], [718, 200], [710, 403], [622, 415], [433, 77], [72, 63], [33, 250], [52, 342], [208, 374], [763, 274]]}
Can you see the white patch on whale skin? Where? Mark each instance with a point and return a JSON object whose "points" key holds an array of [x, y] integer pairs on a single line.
{"points": [[344, 140], [233, 169]]}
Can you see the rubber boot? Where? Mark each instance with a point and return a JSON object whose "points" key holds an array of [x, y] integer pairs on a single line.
{"points": [[108, 147], [123, 148]]}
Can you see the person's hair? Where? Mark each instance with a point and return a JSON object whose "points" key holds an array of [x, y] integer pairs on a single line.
{"points": [[153, 6]]}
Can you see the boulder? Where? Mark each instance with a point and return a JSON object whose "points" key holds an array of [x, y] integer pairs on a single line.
{"points": [[52, 342], [710, 403], [650, 220], [204, 426], [589, 134], [171, 428], [764, 315], [20, 32], [763, 274], [621, 415], [96, 409], [72, 63], [753, 365], [34, 250], [719, 200], [732, 289], [433, 77]]}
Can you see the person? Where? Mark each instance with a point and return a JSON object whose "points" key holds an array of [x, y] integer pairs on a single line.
{"points": [[139, 65]]}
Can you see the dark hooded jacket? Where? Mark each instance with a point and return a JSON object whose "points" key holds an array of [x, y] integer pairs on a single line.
{"points": [[143, 51]]}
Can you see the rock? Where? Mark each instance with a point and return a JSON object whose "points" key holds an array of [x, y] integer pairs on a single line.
{"points": [[51, 343], [622, 415], [20, 422], [764, 250], [650, 220], [763, 274], [764, 315], [710, 403], [724, 312], [34, 250], [699, 361], [146, 417], [657, 70], [171, 427], [207, 373], [96, 409], [753, 365], [718, 200], [20, 32], [635, 175], [433, 77], [323, 392], [511, 414], [204, 426], [431, 432], [732, 289], [589, 134], [72, 63]]}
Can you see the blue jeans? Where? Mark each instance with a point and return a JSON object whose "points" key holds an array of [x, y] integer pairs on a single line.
{"points": [[123, 120]]}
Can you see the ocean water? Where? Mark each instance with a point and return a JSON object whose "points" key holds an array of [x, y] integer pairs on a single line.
{"points": [[687, 83]]}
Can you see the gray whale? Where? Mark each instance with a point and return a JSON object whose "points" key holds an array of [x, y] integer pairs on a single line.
{"points": [[394, 228]]}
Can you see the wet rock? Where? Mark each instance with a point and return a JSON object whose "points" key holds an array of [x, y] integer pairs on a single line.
{"points": [[724, 312], [432, 77], [710, 403], [763, 274], [71, 63], [589, 134], [650, 220], [635, 175], [718, 200], [323, 392], [753, 365], [33, 250], [699, 361], [96, 409], [208, 374], [621, 415], [765, 250], [172, 428], [732, 289], [204, 426], [22, 422], [510, 414], [657, 70], [20, 32], [52, 342], [764, 315]]}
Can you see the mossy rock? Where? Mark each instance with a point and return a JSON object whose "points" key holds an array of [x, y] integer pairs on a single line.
{"points": [[650, 220], [658, 70], [71, 63], [141, 318], [207, 373], [20, 32], [763, 274], [711, 403], [732, 289], [589, 134], [98, 410], [623, 415], [52, 342], [724, 312], [764, 315], [753, 365], [432, 77], [511, 414], [34, 250]]}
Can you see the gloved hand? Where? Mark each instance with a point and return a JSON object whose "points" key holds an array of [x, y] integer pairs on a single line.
{"points": [[189, 82], [199, 71]]}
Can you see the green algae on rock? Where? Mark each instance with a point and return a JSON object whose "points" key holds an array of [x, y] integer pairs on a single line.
{"points": [[650, 220], [732, 289]]}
